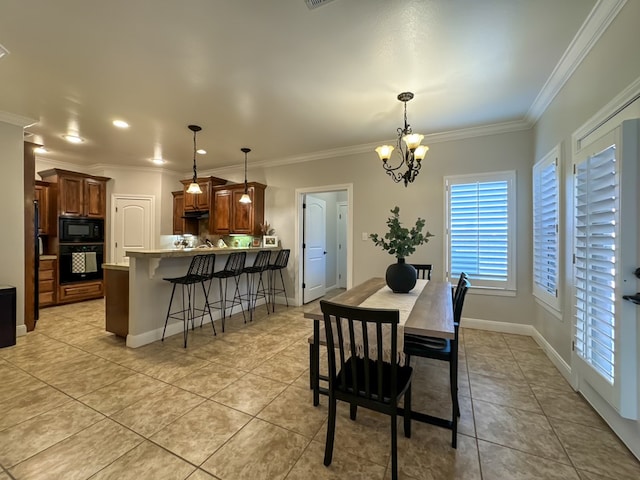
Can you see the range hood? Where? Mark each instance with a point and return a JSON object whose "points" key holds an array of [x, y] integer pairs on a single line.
{"points": [[196, 214]]}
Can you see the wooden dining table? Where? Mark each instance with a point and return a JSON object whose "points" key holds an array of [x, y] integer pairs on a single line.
{"points": [[431, 316]]}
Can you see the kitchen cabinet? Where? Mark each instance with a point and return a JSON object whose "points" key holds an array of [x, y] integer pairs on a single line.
{"points": [[200, 201], [42, 196], [47, 282], [116, 300], [77, 194], [181, 225], [75, 292], [232, 217]]}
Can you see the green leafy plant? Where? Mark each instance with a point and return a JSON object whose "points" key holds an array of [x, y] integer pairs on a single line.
{"points": [[400, 241]]}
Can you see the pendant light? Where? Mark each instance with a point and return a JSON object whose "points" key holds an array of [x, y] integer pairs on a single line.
{"points": [[245, 198], [193, 186]]}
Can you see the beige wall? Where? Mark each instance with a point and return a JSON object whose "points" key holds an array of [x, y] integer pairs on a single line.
{"points": [[611, 66], [12, 214], [375, 195]]}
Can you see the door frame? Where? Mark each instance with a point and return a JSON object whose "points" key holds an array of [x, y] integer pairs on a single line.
{"points": [[112, 228], [299, 234], [338, 270]]}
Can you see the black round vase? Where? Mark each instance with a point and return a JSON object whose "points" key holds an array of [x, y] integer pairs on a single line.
{"points": [[401, 277]]}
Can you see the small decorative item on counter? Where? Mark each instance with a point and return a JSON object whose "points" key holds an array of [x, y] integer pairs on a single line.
{"points": [[269, 241], [256, 242], [221, 244], [266, 229]]}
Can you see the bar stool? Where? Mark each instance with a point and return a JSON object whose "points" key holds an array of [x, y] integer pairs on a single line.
{"points": [[260, 265], [280, 264], [232, 269], [200, 271]]}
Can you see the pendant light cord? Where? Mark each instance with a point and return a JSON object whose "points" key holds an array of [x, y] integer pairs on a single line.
{"points": [[195, 173]]}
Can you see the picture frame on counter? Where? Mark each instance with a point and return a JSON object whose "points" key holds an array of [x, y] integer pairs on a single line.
{"points": [[256, 242], [269, 241]]}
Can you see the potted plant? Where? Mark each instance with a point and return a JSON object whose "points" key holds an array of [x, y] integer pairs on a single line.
{"points": [[401, 242]]}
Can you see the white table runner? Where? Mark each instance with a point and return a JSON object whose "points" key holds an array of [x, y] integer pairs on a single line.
{"points": [[385, 298]]}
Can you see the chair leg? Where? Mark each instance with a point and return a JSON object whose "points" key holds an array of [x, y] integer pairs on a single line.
{"points": [[394, 447], [353, 411], [331, 430], [185, 320], [206, 304], [284, 289], [166, 320], [455, 409], [407, 412]]}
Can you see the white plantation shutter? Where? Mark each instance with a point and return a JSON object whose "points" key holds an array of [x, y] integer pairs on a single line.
{"points": [[597, 201], [480, 229], [546, 196]]}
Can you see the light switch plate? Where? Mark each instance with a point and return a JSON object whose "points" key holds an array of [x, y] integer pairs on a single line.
{"points": [[365, 236]]}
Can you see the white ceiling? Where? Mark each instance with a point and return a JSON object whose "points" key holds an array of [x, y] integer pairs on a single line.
{"points": [[271, 75]]}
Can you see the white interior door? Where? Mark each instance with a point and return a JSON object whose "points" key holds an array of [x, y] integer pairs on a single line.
{"points": [[132, 225], [343, 210], [314, 240]]}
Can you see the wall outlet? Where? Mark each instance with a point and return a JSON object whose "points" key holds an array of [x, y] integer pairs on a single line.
{"points": [[365, 236]]}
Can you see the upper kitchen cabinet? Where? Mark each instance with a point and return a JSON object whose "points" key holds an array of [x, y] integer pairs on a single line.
{"points": [[78, 194], [42, 196], [200, 201], [232, 217]]}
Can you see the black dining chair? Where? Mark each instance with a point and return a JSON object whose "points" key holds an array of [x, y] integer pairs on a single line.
{"points": [[373, 383], [423, 269], [456, 289], [199, 272], [445, 350]]}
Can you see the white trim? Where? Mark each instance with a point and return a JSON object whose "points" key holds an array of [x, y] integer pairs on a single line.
{"points": [[21, 330], [17, 120], [496, 292], [112, 227], [593, 27], [616, 106], [297, 250]]}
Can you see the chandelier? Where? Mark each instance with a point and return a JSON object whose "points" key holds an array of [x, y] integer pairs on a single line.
{"points": [[410, 156], [193, 186]]}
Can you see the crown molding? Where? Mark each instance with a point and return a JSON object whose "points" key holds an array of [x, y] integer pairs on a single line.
{"points": [[589, 33], [17, 120], [129, 168]]}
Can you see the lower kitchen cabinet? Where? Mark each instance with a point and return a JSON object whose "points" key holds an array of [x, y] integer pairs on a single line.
{"points": [[116, 295], [47, 282], [75, 292]]}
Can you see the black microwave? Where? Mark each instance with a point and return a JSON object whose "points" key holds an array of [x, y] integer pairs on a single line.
{"points": [[81, 230]]}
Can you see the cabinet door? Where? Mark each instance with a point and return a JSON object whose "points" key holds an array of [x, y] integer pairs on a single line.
{"points": [[42, 196], [190, 201], [94, 198], [202, 200], [242, 218], [71, 191], [178, 212], [221, 219]]}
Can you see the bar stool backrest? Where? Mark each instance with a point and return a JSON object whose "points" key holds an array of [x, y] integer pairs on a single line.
{"points": [[261, 261], [235, 262], [282, 259], [202, 266]]}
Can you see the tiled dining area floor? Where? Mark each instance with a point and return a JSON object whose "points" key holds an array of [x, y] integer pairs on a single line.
{"points": [[75, 403]]}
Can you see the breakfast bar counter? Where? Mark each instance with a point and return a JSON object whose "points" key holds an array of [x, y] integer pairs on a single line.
{"points": [[149, 294]]}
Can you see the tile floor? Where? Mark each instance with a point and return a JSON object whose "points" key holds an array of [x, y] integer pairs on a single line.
{"points": [[75, 403]]}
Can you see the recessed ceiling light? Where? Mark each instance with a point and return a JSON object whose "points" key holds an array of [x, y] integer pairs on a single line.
{"points": [[120, 124], [73, 138], [40, 150], [158, 161], [201, 151]]}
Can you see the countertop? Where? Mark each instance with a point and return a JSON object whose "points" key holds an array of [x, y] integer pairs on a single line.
{"points": [[190, 252], [115, 266]]}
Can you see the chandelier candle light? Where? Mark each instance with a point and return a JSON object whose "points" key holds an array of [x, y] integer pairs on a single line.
{"points": [[410, 156], [193, 186], [245, 198]]}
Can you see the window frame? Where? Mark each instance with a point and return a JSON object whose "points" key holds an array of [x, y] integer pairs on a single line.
{"points": [[553, 303], [478, 286]]}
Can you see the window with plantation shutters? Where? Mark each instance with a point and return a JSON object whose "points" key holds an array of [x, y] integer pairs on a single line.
{"points": [[546, 196], [596, 219], [480, 230]]}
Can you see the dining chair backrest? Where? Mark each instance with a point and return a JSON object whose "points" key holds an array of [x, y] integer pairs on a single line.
{"points": [[201, 266], [461, 293], [235, 262], [423, 269], [455, 290], [370, 378]]}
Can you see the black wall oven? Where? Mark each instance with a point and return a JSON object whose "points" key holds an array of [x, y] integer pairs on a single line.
{"points": [[79, 263], [81, 230]]}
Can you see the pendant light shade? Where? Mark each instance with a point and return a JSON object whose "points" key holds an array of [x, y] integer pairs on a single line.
{"points": [[245, 198], [194, 188]]}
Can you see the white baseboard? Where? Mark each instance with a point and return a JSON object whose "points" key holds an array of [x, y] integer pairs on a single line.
{"points": [[563, 367], [21, 330]]}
